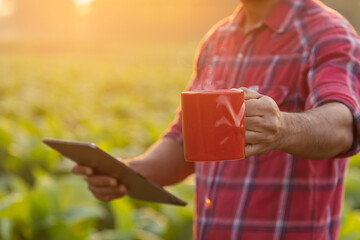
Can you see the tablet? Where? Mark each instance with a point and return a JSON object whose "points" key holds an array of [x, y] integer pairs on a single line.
{"points": [[88, 154]]}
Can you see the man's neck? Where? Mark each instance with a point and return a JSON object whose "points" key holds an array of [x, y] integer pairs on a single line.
{"points": [[256, 11]]}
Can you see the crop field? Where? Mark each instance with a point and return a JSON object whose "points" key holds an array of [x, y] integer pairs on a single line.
{"points": [[120, 96]]}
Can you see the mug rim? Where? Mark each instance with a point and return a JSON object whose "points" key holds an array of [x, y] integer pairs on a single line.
{"points": [[213, 91]]}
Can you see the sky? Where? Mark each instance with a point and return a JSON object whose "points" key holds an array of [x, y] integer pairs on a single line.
{"points": [[110, 18], [118, 19]]}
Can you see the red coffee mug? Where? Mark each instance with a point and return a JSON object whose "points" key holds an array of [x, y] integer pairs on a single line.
{"points": [[213, 124]]}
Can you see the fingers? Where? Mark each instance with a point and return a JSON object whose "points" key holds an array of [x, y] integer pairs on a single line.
{"points": [[260, 107], [250, 94], [255, 149], [253, 137], [105, 188], [253, 108], [253, 123], [82, 170], [101, 181], [108, 194], [250, 150], [118, 191], [263, 123]]}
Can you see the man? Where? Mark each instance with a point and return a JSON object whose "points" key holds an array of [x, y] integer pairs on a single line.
{"points": [[299, 65]]}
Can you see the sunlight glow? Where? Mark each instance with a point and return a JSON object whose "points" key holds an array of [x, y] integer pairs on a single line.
{"points": [[7, 8], [82, 2], [208, 203], [83, 6]]}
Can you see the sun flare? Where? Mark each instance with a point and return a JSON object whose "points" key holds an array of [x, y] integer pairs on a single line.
{"points": [[7, 8], [83, 2], [83, 6]]}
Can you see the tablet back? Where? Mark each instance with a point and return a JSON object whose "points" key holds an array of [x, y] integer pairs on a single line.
{"points": [[88, 154]]}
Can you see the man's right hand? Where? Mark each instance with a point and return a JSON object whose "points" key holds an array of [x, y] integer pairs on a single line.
{"points": [[103, 187], [163, 164]]}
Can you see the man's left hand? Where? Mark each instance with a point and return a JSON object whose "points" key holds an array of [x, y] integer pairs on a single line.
{"points": [[264, 124]]}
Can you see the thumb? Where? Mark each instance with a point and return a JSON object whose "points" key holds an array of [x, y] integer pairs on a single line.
{"points": [[250, 94]]}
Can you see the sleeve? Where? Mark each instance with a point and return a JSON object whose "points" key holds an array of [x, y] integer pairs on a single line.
{"points": [[175, 128], [334, 75]]}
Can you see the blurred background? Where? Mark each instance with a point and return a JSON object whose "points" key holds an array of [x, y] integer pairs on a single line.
{"points": [[108, 72]]}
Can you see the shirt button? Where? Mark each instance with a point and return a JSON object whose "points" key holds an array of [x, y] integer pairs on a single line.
{"points": [[281, 30], [240, 55]]}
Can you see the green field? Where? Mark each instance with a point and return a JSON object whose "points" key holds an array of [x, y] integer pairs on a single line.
{"points": [[121, 97]]}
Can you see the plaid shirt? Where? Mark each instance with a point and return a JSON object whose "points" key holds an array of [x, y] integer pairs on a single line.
{"points": [[302, 55]]}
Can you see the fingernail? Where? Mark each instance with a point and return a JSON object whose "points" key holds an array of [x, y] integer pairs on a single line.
{"points": [[88, 171]]}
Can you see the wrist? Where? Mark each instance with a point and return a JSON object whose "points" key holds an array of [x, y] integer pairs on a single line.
{"points": [[142, 165], [284, 133], [134, 163]]}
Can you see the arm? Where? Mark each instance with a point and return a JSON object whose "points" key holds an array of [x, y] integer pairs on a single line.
{"points": [[163, 163], [319, 133]]}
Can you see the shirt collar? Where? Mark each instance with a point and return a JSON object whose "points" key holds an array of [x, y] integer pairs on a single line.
{"points": [[279, 20]]}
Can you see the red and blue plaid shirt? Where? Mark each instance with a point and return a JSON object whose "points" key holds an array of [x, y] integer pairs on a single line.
{"points": [[302, 55]]}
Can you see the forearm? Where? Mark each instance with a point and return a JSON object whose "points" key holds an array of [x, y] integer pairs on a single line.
{"points": [[320, 133], [163, 163]]}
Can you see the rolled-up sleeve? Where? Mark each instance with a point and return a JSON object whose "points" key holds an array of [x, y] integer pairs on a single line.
{"points": [[334, 75]]}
